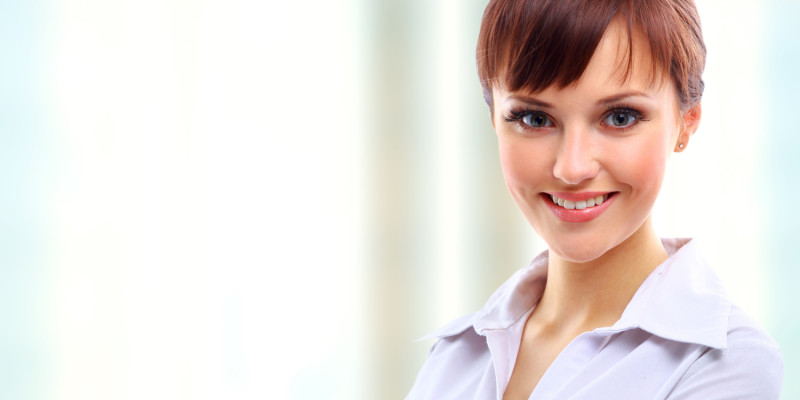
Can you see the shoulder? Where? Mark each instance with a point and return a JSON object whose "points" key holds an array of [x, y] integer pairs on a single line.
{"points": [[457, 342], [456, 364], [749, 367], [745, 332]]}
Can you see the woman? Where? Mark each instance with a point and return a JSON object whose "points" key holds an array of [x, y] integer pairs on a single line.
{"points": [[589, 98]]}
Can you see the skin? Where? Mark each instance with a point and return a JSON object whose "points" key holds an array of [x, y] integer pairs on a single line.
{"points": [[577, 144]]}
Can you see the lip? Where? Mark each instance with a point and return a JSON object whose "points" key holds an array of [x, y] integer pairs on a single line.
{"points": [[571, 196], [578, 216]]}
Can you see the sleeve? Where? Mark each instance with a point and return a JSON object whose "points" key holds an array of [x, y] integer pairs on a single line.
{"points": [[747, 370]]}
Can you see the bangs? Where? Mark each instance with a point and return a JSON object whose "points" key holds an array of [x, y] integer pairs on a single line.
{"points": [[533, 44]]}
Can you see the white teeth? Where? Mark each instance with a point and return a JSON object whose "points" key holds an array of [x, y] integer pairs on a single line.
{"points": [[579, 205]]}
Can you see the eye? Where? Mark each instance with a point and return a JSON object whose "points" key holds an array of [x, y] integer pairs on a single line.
{"points": [[537, 120], [622, 118], [528, 119]]}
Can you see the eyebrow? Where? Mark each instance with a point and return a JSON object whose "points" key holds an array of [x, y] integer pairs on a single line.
{"points": [[604, 101], [617, 97], [531, 100]]}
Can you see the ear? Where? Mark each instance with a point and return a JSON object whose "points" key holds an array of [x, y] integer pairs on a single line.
{"points": [[690, 121]]}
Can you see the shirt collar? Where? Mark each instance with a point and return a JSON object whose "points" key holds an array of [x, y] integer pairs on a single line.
{"points": [[514, 298], [509, 303], [681, 300]]}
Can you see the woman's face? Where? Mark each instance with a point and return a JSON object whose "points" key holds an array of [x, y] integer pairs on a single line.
{"points": [[599, 147]]}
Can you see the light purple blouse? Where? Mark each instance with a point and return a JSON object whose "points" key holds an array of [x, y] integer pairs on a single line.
{"points": [[679, 338]]}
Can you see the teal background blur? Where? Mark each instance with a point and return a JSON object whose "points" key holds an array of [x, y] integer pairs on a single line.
{"points": [[248, 199]]}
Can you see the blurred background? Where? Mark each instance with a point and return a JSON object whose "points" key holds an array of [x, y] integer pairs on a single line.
{"points": [[272, 200]]}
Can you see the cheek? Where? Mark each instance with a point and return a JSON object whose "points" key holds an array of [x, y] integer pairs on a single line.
{"points": [[642, 166], [523, 164], [649, 174]]}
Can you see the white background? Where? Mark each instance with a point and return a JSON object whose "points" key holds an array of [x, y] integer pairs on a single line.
{"points": [[251, 200]]}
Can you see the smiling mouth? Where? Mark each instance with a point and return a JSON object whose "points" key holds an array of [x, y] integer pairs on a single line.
{"points": [[581, 204]]}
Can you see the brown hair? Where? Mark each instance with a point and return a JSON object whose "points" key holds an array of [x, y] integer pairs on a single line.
{"points": [[538, 43]]}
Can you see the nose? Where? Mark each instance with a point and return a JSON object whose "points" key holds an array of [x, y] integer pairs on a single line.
{"points": [[576, 159]]}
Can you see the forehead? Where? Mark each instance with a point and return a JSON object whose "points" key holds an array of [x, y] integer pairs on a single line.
{"points": [[620, 61], [623, 59]]}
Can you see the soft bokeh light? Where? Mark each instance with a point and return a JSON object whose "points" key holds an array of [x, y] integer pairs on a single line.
{"points": [[249, 199]]}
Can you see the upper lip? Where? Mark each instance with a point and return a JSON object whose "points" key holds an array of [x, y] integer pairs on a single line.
{"points": [[572, 196]]}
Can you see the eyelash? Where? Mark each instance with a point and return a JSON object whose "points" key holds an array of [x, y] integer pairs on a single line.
{"points": [[637, 115], [516, 115], [519, 114]]}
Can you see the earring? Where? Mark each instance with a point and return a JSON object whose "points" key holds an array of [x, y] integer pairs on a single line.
{"points": [[680, 146]]}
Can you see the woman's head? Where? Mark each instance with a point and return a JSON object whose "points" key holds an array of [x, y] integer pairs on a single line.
{"points": [[532, 44], [588, 106]]}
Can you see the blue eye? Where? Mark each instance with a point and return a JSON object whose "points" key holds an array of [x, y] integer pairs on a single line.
{"points": [[537, 120], [530, 119], [621, 118]]}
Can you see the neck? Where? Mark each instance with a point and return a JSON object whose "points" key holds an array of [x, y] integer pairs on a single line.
{"points": [[584, 296]]}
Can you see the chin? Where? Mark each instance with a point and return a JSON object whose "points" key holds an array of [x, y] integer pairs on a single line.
{"points": [[579, 251], [578, 256]]}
